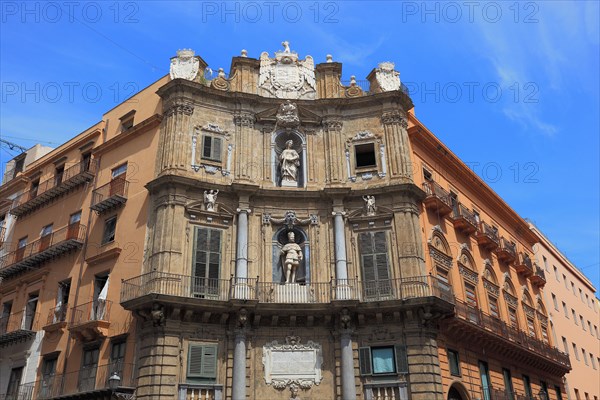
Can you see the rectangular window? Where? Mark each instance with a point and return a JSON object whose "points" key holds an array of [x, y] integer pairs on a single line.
{"points": [[527, 385], [565, 345], [590, 328], [33, 190], [556, 273], [119, 171], [62, 301], [582, 322], [593, 360], [596, 331], [493, 306], [581, 295], [454, 362], [6, 309], [89, 366], [565, 310], [508, 386], [575, 351], [45, 238], [383, 360], [58, 175], [110, 226], [577, 394], [427, 175], [207, 262], [471, 297], [530, 327], [558, 392], [555, 302], [512, 318], [48, 373], [587, 300], [544, 388], [585, 359], [375, 266], [365, 155], [202, 361], [117, 357], [565, 280], [211, 148], [86, 161], [30, 311], [544, 330], [545, 263], [574, 317], [573, 288], [12, 392], [484, 374]]}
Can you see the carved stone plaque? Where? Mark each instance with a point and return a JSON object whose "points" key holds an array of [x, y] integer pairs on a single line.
{"points": [[292, 363]]}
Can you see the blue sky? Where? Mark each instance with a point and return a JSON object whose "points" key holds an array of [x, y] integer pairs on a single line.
{"points": [[511, 87]]}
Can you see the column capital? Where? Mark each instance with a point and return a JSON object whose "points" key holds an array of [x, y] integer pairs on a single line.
{"points": [[244, 118], [185, 108], [394, 117], [340, 212], [243, 210], [332, 124]]}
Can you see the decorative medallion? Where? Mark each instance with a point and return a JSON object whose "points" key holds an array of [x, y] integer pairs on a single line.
{"points": [[287, 77], [185, 65], [387, 78]]}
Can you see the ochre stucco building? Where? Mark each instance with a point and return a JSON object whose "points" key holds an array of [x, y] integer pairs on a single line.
{"points": [[150, 252]]}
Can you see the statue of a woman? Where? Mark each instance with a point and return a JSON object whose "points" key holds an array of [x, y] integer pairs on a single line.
{"points": [[290, 161]]}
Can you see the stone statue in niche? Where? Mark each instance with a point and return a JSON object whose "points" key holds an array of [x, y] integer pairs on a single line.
{"points": [[291, 255], [369, 204], [210, 198], [290, 161]]}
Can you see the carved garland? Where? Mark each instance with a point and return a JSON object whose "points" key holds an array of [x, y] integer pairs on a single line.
{"points": [[491, 287], [529, 311], [468, 274], [511, 300]]}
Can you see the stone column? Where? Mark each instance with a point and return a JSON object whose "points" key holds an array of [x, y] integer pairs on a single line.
{"points": [[242, 290], [175, 140], [238, 387], [341, 265], [398, 146], [334, 151], [347, 367]]}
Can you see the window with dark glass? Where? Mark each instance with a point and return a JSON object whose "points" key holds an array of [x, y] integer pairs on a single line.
{"points": [[454, 362], [211, 148], [527, 385], [58, 175], [512, 318], [427, 175], [558, 392], [117, 357], [484, 375], [86, 160], [35, 185], [12, 391], [365, 155], [6, 310], [493, 306], [207, 262], [110, 226], [48, 375], [383, 360], [89, 367], [30, 311], [508, 386]]}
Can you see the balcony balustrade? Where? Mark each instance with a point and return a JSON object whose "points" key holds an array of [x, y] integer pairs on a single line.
{"points": [[524, 265], [507, 251], [438, 199], [87, 379], [110, 196], [464, 219], [487, 236], [47, 247], [57, 318], [2, 233], [493, 393], [18, 326], [539, 277], [494, 330], [21, 392], [91, 320], [53, 187], [188, 391], [224, 290]]}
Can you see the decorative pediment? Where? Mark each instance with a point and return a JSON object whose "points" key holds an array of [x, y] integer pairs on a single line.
{"points": [[360, 220], [290, 219], [491, 287], [222, 215], [510, 299], [269, 116]]}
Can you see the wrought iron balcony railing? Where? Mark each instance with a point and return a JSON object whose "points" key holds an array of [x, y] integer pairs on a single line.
{"points": [[487, 236], [464, 219], [97, 310], [438, 199], [53, 187], [507, 251], [273, 292], [57, 314], [49, 246], [110, 196], [539, 277], [17, 326], [524, 265]]}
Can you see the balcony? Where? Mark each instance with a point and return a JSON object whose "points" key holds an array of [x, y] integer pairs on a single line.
{"points": [[539, 277], [524, 265], [91, 320], [507, 251], [483, 330], [48, 190], [90, 382], [110, 196], [493, 393], [487, 236], [18, 327], [21, 392], [189, 391], [464, 220], [438, 199], [2, 233], [57, 318], [47, 247], [216, 293]]}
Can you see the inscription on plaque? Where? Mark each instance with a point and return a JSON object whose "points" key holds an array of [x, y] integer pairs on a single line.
{"points": [[292, 363]]}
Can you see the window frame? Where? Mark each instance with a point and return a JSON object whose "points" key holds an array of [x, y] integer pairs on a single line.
{"points": [[454, 362], [399, 357], [108, 233], [356, 154], [203, 374], [211, 156]]}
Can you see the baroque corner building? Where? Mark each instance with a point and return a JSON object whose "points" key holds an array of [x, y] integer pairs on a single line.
{"points": [[271, 233]]}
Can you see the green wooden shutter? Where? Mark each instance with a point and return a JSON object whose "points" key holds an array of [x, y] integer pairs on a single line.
{"points": [[364, 360], [401, 359], [202, 361], [207, 262], [216, 149]]}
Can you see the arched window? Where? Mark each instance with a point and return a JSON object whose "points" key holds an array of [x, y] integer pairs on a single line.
{"points": [[511, 303], [288, 159], [490, 283], [441, 257], [529, 313], [542, 317], [470, 278]]}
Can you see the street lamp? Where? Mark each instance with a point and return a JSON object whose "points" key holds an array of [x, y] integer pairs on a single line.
{"points": [[542, 394], [114, 381]]}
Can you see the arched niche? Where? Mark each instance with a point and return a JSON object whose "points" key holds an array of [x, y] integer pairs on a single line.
{"points": [[278, 145], [280, 238], [458, 391]]}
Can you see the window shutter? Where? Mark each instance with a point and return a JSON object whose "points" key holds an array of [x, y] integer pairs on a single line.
{"points": [[209, 361], [401, 359], [364, 360], [216, 150], [200, 266], [195, 360]]}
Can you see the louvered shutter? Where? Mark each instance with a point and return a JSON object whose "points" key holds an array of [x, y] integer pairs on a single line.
{"points": [[195, 361], [216, 150], [364, 360], [207, 262], [209, 361], [401, 359], [202, 361]]}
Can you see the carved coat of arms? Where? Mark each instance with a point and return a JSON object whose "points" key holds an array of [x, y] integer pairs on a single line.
{"points": [[185, 65], [287, 77]]}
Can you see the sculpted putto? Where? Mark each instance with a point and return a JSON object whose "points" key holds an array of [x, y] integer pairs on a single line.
{"points": [[291, 256], [290, 161]]}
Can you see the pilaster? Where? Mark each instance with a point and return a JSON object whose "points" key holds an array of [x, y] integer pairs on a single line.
{"points": [[246, 165], [175, 138], [398, 147], [334, 151]]}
